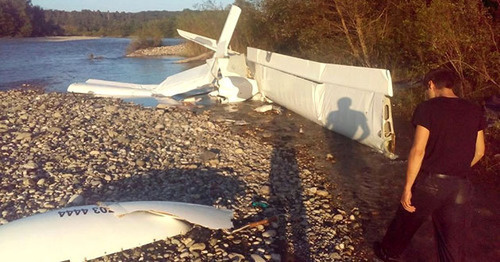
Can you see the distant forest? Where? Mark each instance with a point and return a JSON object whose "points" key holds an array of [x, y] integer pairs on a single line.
{"points": [[19, 18], [408, 37]]}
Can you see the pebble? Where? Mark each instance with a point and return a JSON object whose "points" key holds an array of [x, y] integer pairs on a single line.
{"points": [[269, 233], [41, 182], [335, 256], [322, 193], [236, 257], [23, 136], [159, 51], [265, 190], [30, 166], [197, 246], [239, 151], [257, 258], [76, 200], [338, 217]]}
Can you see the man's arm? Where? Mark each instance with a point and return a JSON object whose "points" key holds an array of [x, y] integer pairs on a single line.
{"points": [[415, 158], [480, 147]]}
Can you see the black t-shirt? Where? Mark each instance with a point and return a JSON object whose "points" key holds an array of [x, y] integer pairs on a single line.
{"points": [[453, 124]]}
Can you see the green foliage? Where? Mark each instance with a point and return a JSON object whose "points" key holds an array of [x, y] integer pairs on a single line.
{"points": [[408, 37], [150, 35], [18, 18], [207, 23], [96, 23]]}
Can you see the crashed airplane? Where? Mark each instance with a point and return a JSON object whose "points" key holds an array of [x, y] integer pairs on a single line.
{"points": [[352, 101], [225, 72]]}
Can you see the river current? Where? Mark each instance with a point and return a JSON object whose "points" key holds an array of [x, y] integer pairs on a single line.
{"points": [[56, 64]]}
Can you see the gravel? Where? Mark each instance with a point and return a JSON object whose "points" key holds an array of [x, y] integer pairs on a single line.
{"points": [[59, 149], [173, 50]]}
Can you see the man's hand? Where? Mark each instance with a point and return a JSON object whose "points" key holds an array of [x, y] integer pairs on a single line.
{"points": [[406, 201]]}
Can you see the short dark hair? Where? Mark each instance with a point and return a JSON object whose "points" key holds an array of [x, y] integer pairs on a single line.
{"points": [[441, 78]]}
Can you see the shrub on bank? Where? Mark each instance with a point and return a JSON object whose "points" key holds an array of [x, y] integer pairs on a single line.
{"points": [[142, 43]]}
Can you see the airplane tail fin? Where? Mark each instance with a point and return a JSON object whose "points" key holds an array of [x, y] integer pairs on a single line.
{"points": [[227, 31], [220, 47]]}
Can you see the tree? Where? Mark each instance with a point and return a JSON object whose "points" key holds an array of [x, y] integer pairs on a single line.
{"points": [[14, 20], [460, 35]]}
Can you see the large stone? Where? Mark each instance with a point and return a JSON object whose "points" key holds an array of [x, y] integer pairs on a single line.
{"points": [[197, 247], [56, 115], [257, 258], [30, 166], [337, 218], [269, 233], [94, 153], [23, 136], [265, 190], [322, 193], [111, 109]]}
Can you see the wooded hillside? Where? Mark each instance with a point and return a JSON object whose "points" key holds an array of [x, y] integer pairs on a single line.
{"points": [[19, 18]]}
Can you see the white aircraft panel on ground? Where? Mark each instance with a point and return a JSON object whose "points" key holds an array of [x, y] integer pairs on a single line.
{"points": [[348, 100], [369, 79], [86, 232]]}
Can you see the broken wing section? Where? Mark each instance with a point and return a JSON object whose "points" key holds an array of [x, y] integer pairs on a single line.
{"points": [[205, 216], [82, 233], [182, 82], [186, 81], [351, 101], [201, 40], [112, 88], [85, 232]]}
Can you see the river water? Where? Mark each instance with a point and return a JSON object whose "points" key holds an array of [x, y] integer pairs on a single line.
{"points": [[56, 64], [364, 178]]}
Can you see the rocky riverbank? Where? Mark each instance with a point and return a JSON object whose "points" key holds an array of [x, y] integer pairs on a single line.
{"points": [[174, 50], [65, 149]]}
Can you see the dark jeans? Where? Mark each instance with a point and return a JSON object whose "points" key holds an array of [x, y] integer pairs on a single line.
{"points": [[446, 199]]}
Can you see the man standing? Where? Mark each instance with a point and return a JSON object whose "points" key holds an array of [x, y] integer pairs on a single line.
{"points": [[449, 139]]}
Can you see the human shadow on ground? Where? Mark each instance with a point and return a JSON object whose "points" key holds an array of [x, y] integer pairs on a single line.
{"points": [[353, 162], [367, 180], [286, 199]]}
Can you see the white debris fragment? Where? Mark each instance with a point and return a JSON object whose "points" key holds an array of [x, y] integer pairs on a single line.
{"points": [[264, 108]]}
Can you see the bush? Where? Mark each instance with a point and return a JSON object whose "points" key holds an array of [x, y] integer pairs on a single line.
{"points": [[142, 43]]}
